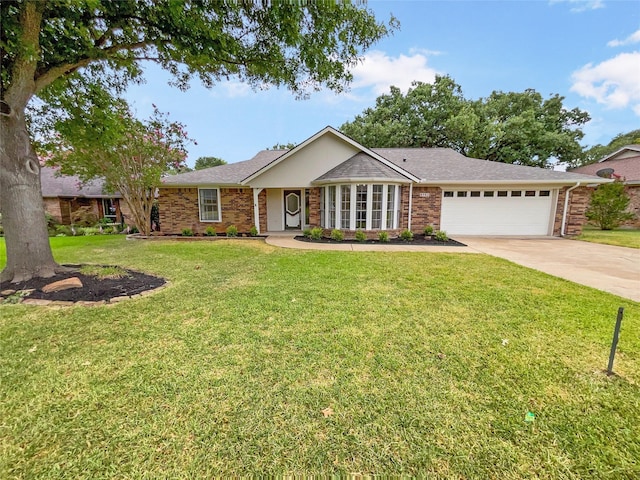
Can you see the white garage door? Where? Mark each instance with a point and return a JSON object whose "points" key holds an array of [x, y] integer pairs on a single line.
{"points": [[497, 212]]}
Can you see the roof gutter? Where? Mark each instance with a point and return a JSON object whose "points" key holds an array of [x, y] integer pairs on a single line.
{"points": [[566, 205]]}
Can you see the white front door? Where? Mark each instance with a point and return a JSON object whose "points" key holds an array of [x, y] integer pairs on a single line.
{"points": [[292, 208]]}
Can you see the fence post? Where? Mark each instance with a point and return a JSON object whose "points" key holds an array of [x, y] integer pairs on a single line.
{"points": [[614, 343]]}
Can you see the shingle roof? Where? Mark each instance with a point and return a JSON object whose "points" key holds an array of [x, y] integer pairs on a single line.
{"points": [[361, 166], [442, 165], [628, 168], [70, 186], [230, 174]]}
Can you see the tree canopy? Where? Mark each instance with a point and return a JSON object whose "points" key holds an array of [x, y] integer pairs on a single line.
{"points": [[512, 127], [597, 152], [47, 45], [208, 162]]}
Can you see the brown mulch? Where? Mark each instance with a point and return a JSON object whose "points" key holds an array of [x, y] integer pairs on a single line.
{"points": [[93, 289], [417, 240]]}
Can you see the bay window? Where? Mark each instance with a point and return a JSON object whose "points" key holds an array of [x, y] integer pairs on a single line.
{"points": [[360, 206]]}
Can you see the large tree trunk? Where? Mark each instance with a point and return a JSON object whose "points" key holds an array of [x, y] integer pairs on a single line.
{"points": [[25, 228]]}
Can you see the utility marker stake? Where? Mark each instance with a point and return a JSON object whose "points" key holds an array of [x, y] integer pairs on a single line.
{"points": [[614, 343]]}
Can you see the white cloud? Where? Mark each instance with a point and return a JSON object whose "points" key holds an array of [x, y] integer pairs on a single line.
{"points": [[581, 5], [631, 39], [613, 82], [235, 89], [379, 71]]}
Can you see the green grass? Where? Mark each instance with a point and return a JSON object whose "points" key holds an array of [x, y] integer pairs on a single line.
{"points": [[227, 371], [621, 237]]}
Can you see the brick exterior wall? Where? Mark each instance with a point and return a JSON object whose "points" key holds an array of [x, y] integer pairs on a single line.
{"points": [[576, 219], [52, 207], [179, 210], [634, 205], [314, 207]]}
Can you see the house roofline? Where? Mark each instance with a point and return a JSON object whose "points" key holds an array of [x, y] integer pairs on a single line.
{"points": [[337, 180], [516, 182], [343, 137], [633, 148]]}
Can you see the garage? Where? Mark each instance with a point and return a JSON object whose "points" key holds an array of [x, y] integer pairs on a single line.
{"points": [[498, 211]]}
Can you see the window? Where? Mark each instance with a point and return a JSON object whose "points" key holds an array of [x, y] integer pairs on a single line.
{"points": [[345, 206], [376, 207], [361, 206], [502, 193], [516, 193], [391, 208], [109, 209], [462, 194], [332, 207], [448, 194], [488, 193], [209, 200], [545, 193], [530, 193], [475, 194]]}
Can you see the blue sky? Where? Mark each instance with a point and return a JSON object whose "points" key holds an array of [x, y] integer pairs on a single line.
{"points": [[585, 50]]}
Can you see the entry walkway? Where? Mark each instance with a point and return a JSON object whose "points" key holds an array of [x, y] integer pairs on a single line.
{"points": [[605, 267]]}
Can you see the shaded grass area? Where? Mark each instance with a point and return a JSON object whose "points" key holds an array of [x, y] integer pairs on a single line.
{"points": [[227, 371], [620, 237]]}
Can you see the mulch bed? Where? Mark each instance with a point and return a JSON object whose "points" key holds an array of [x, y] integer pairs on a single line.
{"points": [[417, 240], [93, 289]]}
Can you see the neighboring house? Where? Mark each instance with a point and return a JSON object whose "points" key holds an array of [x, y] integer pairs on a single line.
{"points": [[64, 194], [623, 165], [332, 181]]}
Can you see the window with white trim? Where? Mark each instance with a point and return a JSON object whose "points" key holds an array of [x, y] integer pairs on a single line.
{"points": [[345, 206], [209, 204], [376, 207], [359, 206]]}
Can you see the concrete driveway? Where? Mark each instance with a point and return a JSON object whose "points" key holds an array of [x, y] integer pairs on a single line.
{"points": [[611, 269]]}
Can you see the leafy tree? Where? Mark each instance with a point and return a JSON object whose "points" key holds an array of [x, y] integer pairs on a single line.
{"points": [[208, 162], [104, 140], [520, 128], [597, 152], [46, 44], [282, 146], [608, 207]]}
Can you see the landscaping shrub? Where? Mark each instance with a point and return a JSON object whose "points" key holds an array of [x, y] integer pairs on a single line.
{"points": [[316, 233], [63, 231], [306, 233], [361, 236], [88, 231], [337, 235], [134, 229], [441, 236], [406, 235], [608, 207], [84, 217], [428, 231], [210, 231], [253, 231], [383, 237], [187, 232], [232, 231]]}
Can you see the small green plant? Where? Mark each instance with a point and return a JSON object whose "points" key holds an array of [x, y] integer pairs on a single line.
{"points": [[316, 233], [232, 231], [210, 231], [63, 231], [84, 217], [306, 233], [134, 229], [16, 297], [253, 231], [187, 232], [406, 235], [441, 236], [383, 237], [101, 271], [428, 231], [361, 236], [337, 235], [608, 207]]}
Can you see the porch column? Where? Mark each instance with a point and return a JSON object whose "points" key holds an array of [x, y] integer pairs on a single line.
{"points": [[410, 205], [256, 208]]}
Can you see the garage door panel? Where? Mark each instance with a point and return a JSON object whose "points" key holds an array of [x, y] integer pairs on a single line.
{"points": [[496, 215]]}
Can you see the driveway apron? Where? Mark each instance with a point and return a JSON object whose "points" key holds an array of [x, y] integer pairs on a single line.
{"points": [[605, 267]]}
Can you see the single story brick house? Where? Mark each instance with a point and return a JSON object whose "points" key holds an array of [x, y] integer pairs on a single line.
{"points": [[64, 194], [332, 181], [623, 165]]}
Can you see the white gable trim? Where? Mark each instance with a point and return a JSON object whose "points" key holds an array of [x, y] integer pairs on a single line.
{"points": [[631, 148], [342, 137]]}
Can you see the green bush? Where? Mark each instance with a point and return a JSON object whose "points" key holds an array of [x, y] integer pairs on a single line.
{"points": [[63, 231], [316, 233], [84, 217], [428, 231], [210, 231], [104, 221], [441, 236], [608, 207], [306, 232], [337, 235], [187, 232], [406, 235], [134, 229], [361, 236], [253, 231], [383, 237], [88, 231], [232, 231]]}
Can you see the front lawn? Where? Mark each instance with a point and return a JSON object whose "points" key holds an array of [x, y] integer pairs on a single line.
{"points": [[620, 237], [423, 363]]}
